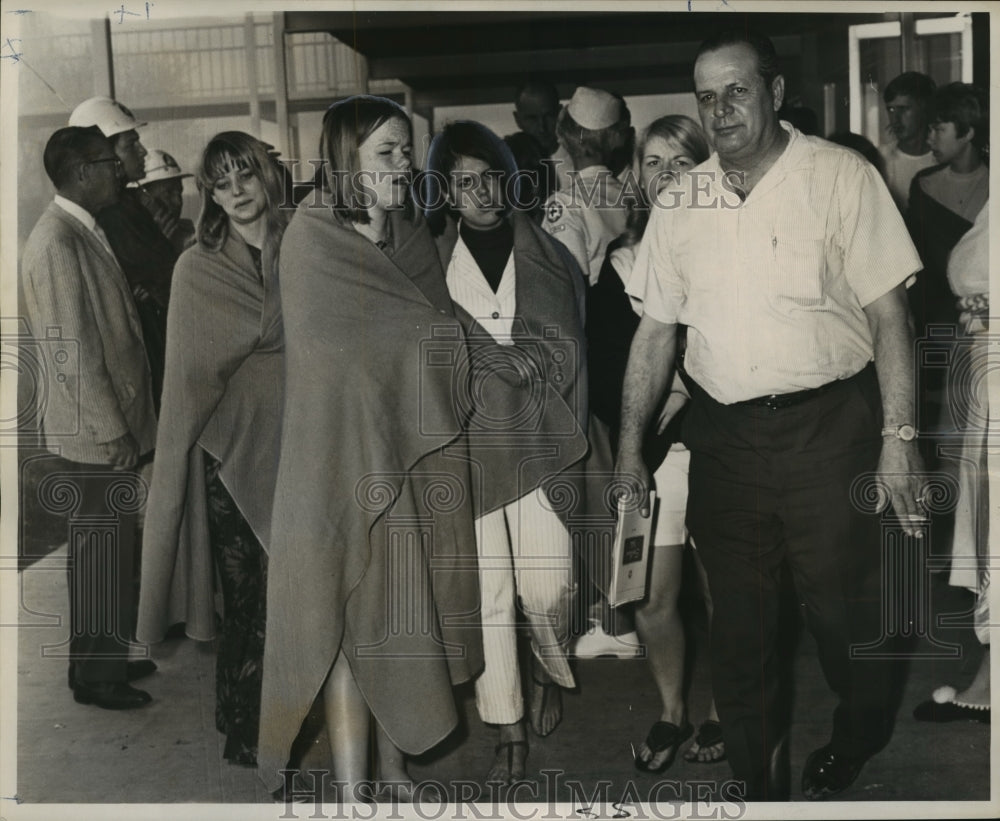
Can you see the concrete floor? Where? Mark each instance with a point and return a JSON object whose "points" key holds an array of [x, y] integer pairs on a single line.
{"points": [[170, 753]]}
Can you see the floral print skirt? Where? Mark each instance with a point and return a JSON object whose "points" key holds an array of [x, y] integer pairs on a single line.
{"points": [[241, 567]]}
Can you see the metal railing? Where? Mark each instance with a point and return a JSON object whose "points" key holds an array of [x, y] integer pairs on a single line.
{"points": [[190, 65]]}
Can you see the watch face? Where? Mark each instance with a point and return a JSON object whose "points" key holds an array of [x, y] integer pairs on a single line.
{"points": [[906, 432]]}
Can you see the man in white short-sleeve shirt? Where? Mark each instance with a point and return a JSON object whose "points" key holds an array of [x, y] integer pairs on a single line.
{"points": [[786, 258]]}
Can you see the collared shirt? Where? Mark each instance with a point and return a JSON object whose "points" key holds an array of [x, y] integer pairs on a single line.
{"points": [[587, 216], [469, 288], [900, 169], [84, 216], [772, 288]]}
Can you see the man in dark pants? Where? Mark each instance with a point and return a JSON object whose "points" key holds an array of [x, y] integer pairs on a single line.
{"points": [[786, 258], [98, 418]]}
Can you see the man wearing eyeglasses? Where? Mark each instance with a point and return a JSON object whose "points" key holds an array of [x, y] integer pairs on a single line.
{"points": [[97, 414]]}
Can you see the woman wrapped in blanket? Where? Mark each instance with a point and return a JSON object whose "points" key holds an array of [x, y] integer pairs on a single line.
{"points": [[209, 509], [520, 295], [372, 588]]}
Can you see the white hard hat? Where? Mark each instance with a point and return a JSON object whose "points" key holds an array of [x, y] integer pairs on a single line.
{"points": [[107, 114], [160, 166]]}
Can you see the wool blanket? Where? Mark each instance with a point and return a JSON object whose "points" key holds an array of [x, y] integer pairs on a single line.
{"points": [[373, 550], [529, 419], [223, 392]]}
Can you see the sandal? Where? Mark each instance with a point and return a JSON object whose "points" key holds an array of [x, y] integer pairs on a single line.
{"points": [[709, 735], [663, 736], [509, 747]]}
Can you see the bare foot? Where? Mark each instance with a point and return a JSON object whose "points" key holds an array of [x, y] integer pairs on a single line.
{"points": [[657, 752], [708, 746], [545, 701], [511, 755]]}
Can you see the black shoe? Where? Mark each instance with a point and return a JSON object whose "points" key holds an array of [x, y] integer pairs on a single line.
{"points": [[111, 695], [134, 670], [827, 773]]}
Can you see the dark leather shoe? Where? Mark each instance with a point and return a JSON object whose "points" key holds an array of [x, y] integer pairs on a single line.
{"points": [[827, 773], [111, 695], [134, 670]]}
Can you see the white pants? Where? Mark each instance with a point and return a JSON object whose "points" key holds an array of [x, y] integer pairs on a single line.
{"points": [[524, 550]]}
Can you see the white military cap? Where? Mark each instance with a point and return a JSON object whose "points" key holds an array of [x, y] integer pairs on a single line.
{"points": [[594, 109]]}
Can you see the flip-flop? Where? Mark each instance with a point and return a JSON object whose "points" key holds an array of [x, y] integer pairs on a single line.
{"points": [[663, 736], [931, 710], [709, 734]]}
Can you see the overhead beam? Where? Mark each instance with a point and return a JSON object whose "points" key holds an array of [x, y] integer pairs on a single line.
{"points": [[424, 98], [301, 22], [594, 58]]}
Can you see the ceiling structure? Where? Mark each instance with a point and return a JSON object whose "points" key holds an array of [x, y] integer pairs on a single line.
{"points": [[465, 57]]}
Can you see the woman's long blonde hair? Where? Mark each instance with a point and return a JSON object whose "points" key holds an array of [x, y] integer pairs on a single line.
{"points": [[230, 150]]}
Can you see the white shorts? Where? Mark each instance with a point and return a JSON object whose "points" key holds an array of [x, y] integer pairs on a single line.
{"points": [[671, 479]]}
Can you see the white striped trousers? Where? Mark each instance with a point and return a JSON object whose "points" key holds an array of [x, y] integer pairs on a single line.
{"points": [[524, 551]]}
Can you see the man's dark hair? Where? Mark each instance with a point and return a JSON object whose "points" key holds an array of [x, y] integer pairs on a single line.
{"points": [[538, 88], [67, 148], [967, 106], [767, 57], [909, 84]]}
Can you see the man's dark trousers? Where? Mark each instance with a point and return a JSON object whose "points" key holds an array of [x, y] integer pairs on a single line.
{"points": [[102, 546], [786, 484]]}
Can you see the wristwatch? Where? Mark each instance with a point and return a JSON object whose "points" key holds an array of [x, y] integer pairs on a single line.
{"points": [[906, 431]]}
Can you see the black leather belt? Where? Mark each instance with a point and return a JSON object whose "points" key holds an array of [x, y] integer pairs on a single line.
{"points": [[776, 401]]}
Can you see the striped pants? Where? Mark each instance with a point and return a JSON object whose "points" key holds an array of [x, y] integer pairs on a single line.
{"points": [[524, 551]]}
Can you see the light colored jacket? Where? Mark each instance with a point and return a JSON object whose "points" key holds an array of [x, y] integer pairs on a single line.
{"points": [[74, 290]]}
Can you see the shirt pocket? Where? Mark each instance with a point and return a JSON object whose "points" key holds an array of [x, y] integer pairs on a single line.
{"points": [[798, 269]]}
